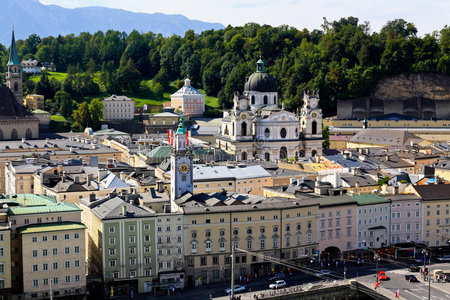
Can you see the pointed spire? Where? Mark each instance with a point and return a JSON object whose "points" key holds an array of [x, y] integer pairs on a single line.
{"points": [[181, 129], [13, 56]]}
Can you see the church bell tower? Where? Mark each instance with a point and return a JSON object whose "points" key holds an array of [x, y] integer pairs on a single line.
{"points": [[181, 177], [14, 72]]}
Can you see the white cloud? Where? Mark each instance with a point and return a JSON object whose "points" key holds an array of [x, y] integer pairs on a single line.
{"points": [[427, 15]]}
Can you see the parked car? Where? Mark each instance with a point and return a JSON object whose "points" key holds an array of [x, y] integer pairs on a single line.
{"points": [[414, 268], [278, 284], [382, 275], [323, 272], [237, 289], [411, 278], [444, 258], [276, 276]]}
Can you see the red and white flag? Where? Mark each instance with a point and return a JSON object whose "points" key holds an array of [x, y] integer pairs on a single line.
{"points": [[188, 135], [169, 136], [377, 284], [397, 293]]}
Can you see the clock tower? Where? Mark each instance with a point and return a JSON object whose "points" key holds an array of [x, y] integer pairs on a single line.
{"points": [[181, 177], [311, 116]]}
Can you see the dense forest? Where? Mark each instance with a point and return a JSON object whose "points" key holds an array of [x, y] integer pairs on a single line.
{"points": [[344, 59]]}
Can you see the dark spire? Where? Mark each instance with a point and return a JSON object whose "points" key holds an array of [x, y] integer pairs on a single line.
{"points": [[13, 56]]}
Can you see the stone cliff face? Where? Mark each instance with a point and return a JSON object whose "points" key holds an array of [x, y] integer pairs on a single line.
{"points": [[424, 85]]}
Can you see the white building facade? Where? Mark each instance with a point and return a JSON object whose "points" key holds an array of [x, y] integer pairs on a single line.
{"points": [[118, 108], [188, 100], [257, 128]]}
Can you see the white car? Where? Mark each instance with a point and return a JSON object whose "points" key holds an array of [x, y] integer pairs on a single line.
{"points": [[278, 284], [323, 272], [237, 289]]}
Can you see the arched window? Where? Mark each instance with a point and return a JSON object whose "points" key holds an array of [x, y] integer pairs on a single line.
{"points": [[28, 134], [283, 152], [275, 100], [267, 132], [226, 130], [314, 127], [267, 156], [14, 135], [1, 134], [265, 100], [232, 130], [16, 86], [244, 129], [253, 100], [244, 156], [283, 133], [313, 153]]}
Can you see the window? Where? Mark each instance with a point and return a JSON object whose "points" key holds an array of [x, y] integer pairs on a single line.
{"points": [[45, 267], [33, 239], [112, 241], [67, 279], [112, 263], [203, 261], [132, 261], [35, 268], [132, 250], [77, 278], [147, 260], [131, 228], [76, 236], [77, 263], [147, 238], [147, 249], [77, 249], [55, 266], [55, 238], [55, 251], [35, 283], [132, 239], [67, 264], [34, 253], [112, 252], [55, 280], [146, 227], [112, 229], [66, 236], [44, 238]]}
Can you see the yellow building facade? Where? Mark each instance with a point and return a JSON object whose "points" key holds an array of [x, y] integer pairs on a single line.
{"points": [[34, 102], [285, 230]]}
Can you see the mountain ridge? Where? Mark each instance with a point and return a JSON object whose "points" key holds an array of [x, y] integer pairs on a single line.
{"points": [[54, 20]]}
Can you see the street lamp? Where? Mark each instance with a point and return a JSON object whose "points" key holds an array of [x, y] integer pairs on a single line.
{"points": [[426, 252]]}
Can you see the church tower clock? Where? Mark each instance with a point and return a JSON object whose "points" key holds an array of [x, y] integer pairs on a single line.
{"points": [[181, 180], [14, 72]]}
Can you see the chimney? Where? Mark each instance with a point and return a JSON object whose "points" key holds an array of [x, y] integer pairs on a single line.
{"points": [[300, 181], [132, 202], [387, 157], [46, 140], [353, 171], [124, 210], [23, 140], [122, 176], [89, 179], [160, 186], [63, 176], [92, 197], [77, 179], [292, 180]]}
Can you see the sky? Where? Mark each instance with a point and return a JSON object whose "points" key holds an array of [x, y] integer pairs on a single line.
{"points": [[427, 15]]}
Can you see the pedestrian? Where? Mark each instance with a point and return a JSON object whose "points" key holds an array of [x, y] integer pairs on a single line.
{"points": [[240, 278]]}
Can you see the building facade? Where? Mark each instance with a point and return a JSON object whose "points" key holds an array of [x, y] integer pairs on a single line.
{"points": [[188, 100], [118, 108], [406, 218], [34, 102], [256, 128]]}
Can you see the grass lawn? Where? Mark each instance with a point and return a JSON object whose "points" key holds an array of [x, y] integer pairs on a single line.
{"points": [[58, 118], [57, 75]]}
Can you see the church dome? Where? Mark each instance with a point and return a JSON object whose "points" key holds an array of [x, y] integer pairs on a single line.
{"points": [[260, 81]]}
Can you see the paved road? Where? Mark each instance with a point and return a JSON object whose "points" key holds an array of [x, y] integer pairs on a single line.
{"points": [[365, 272], [411, 290]]}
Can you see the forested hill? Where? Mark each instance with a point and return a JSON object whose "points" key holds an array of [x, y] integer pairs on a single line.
{"points": [[344, 59], [30, 16]]}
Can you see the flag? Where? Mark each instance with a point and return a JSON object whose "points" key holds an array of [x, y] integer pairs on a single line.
{"points": [[169, 136], [188, 135], [397, 293], [377, 284]]}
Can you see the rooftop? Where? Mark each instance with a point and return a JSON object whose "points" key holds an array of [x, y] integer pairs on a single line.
{"points": [[370, 199], [50, 227]]}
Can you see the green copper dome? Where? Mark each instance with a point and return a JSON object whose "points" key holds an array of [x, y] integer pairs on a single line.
{"points": [[13, 56]]}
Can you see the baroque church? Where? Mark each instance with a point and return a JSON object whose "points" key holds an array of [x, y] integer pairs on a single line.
{"points": [[15, 121], [257, 128]]}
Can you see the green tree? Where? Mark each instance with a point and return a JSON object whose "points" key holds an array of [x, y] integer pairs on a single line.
{"points": [[128, 78], [82, 116], [326, 138], [65, 103], [96, 111]]}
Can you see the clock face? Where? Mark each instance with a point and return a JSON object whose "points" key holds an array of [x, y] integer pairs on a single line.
{"points": [[244, 117], [183, 168], [313, 103], [314, 115]]}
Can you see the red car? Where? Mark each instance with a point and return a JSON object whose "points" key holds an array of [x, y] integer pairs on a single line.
{"points": [[382, 275]]}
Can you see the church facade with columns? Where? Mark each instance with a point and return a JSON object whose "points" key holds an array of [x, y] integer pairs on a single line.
{"points": [[258, 128]]}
